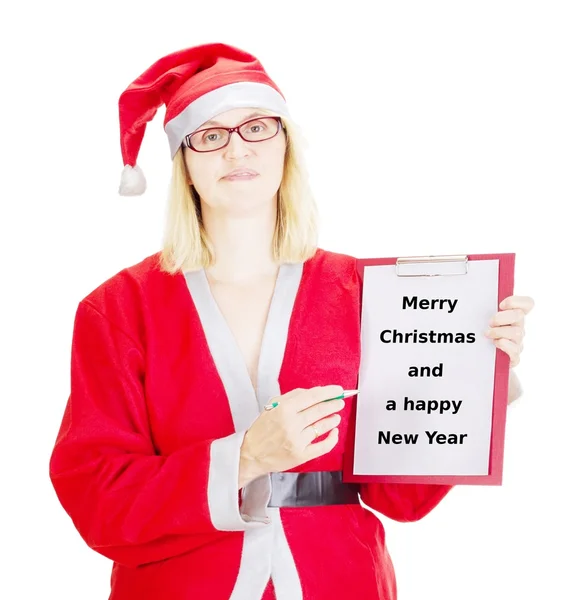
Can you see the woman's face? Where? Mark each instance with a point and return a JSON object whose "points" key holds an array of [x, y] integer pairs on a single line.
{"points": [[208, 170]]}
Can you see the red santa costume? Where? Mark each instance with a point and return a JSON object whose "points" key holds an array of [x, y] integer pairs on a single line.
{"points": [[147, 457]]}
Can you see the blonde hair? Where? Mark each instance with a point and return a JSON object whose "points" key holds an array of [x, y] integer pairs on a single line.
{"points": [[186, 246]]}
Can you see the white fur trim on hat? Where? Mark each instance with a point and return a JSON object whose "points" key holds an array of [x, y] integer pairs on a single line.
{"points": [[133, 182]]}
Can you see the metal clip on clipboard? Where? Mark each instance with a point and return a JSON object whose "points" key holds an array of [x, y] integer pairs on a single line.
{"points": [[431, 266]]}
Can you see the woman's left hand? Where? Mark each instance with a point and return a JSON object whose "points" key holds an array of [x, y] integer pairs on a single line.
{"points": [[507, 327]]}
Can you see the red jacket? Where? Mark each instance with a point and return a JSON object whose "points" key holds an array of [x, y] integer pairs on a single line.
{"points": [[146, 459]]}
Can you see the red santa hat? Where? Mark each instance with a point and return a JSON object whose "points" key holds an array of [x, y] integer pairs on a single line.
{"points": [[195, 84]]}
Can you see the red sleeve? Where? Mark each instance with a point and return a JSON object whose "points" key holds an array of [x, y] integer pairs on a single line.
{"points": [[129, 503], [403, 501]]}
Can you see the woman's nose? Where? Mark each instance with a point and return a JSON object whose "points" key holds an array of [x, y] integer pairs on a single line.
{"points": [[236, 146]]}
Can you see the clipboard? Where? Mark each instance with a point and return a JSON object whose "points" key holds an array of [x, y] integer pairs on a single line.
{"points": [[446, 266]]}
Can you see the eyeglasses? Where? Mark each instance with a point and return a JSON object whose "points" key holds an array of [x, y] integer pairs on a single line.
{"points": [[215, 138]]}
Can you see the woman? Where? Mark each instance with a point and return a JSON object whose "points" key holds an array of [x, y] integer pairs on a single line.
{"points": [[166, 460]]}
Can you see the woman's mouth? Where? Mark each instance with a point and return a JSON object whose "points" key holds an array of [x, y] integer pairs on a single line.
{"points": [[241, 174]]}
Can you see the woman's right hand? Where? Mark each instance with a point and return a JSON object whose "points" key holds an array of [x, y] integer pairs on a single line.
{"points": [[283, 437]]}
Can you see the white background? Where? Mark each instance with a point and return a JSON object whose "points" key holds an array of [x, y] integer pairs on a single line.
{"points": [[467, 147]]}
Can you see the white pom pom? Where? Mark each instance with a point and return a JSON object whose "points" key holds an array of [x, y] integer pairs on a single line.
{"points": [[133, 182]]}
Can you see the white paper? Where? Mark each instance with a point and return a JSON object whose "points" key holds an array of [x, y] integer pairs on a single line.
{"points": [[468, 373]]}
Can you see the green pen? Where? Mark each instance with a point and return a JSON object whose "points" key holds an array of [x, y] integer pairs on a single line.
{"points": [[345, 394]]}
